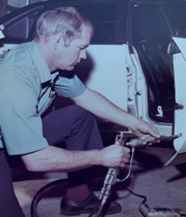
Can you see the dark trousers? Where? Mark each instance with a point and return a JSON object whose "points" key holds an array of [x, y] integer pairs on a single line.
{"points": [[77, 126], [9, 205]]}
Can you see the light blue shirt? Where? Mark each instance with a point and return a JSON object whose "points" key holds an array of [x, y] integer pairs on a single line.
{"points": [[23, 72]]}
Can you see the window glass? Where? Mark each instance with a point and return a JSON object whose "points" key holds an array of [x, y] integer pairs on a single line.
{"points": [[176, 17], [19, 31], [150, 27], [104, 20], [17, 3]]}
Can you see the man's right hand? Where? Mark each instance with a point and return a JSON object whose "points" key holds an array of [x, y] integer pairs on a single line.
{"points": [[115, 156]]}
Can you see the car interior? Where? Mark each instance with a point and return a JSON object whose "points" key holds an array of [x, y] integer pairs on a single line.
{"points": [[151, 38]]}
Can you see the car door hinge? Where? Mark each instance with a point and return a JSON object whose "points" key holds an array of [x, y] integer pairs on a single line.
{"points": [[178, 106]]}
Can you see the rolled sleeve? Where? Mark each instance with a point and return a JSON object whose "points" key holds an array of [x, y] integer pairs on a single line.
{"points": [[21, 126], [69, 87]]}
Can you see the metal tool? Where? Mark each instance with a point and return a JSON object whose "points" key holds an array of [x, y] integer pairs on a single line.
{"points": [[110, 179], [158, 212], [147, 140]]}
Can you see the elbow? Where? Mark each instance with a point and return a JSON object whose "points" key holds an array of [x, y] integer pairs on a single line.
{"points": [[35, 162], [32, 167]]}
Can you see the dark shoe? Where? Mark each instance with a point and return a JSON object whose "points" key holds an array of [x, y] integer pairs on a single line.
{"points": [[70, 207]]}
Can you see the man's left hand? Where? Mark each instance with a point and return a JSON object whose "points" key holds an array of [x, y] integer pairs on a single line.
{"points": [[143, 128]]}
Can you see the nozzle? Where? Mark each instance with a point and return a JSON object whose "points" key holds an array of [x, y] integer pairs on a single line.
{"points": [[144, 141]]}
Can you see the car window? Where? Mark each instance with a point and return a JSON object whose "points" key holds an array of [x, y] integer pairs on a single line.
{"points": [[176, 17], [20, 30], [149, 27], [104, 20]]}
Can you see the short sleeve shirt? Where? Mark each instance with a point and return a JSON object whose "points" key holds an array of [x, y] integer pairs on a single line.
{"points": [[25, 93]]}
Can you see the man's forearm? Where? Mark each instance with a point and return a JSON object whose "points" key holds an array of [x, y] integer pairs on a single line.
{"points": [[58, 159]]}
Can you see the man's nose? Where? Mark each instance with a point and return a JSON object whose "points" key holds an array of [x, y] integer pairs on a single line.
{"points": [[83, 54]]}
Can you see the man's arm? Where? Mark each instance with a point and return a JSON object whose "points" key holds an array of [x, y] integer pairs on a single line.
{"points": [[58, 159], [103, 108]]}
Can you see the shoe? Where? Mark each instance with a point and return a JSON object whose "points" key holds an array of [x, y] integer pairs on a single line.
{"points": [[70, 207]]}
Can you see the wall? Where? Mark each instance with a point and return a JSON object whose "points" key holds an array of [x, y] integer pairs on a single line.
{"points": [[6, 6], [21, 3]]}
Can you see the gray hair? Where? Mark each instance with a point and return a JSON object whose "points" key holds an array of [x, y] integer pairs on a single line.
{"points": [[64, 20]]}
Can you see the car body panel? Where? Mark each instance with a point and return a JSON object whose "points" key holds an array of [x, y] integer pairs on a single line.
{"points": [[104, 75], [1, 33], [179, 61], [181, 43]]}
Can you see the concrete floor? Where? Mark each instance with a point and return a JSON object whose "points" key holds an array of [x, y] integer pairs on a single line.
{"points": [[164, 187]]}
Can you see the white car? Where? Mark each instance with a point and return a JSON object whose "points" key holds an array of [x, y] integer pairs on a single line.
{"points": [[137, 58]]}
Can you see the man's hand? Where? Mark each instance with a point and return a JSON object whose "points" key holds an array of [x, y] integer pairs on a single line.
{"points": [[114, 156], [142, 129]]}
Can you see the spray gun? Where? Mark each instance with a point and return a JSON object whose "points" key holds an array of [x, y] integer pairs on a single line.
{"points": [[110, 179]]}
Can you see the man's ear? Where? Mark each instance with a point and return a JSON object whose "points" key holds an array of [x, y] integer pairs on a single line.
{"points": [[57, 40]]}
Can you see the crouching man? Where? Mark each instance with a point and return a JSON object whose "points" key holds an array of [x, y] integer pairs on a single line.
{"points": [[29, 78]]}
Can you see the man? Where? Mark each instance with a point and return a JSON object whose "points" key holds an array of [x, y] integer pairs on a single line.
{"points": [[28, 82]]}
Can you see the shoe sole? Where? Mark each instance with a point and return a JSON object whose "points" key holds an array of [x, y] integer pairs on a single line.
{"points": [[72, 213]]}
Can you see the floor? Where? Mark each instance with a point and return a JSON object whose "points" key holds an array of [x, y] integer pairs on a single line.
{"points": [[164, 187]]}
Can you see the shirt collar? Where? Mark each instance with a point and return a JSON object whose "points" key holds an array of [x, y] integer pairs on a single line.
{"points": [[39, 62]]}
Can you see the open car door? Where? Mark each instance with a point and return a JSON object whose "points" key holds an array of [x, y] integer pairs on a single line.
{"points": [[178, 50]]}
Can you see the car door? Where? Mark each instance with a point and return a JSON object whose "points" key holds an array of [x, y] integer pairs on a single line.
{"points": [[178, 53]]}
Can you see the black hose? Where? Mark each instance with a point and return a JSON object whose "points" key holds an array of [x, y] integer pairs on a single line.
{"points": [[137, 195], [37, 196], [96, 211]]}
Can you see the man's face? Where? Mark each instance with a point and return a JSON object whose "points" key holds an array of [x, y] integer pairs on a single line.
{"points": [[68, 56]]}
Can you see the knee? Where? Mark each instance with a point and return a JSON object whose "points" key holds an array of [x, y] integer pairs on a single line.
{"points": [[85, 116]]}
